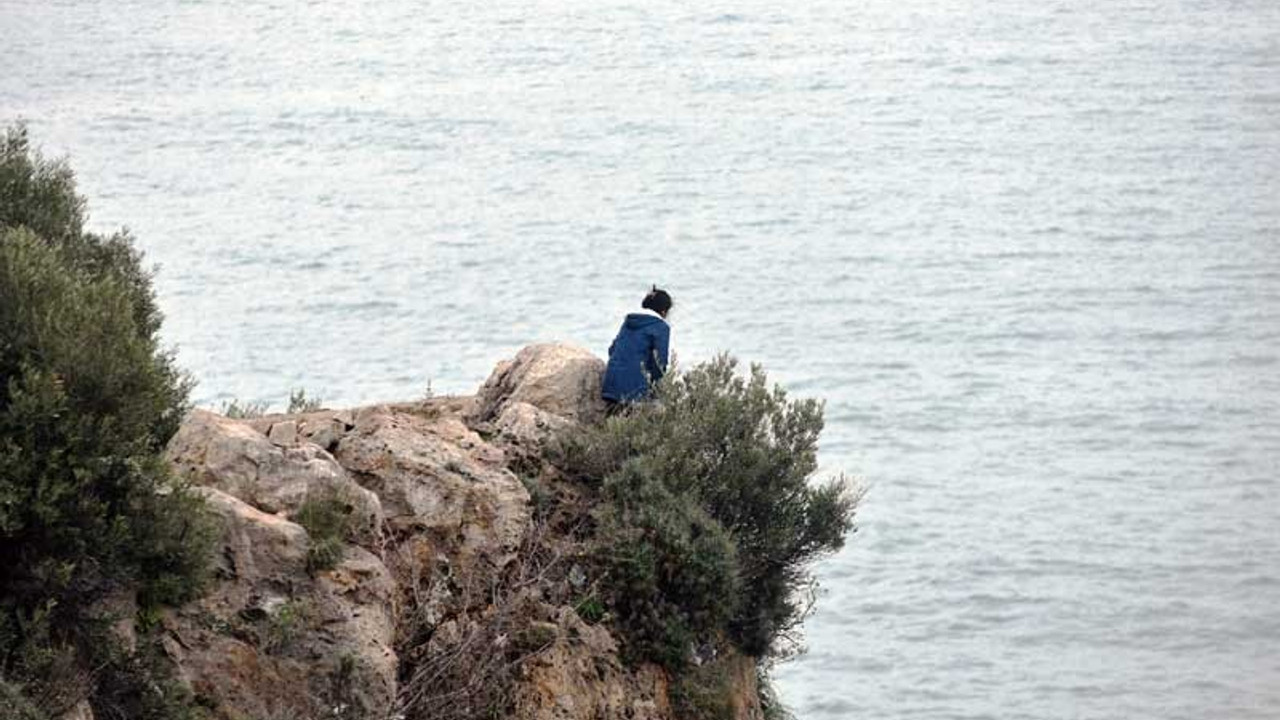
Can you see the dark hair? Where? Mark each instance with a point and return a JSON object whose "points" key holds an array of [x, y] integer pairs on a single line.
{"points": [[658, 301]]}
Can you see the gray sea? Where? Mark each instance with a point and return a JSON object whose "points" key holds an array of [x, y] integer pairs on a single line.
{"points": [[1029, 252]]}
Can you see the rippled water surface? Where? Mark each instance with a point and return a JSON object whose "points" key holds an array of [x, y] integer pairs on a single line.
{"points": [[1028, 251]]}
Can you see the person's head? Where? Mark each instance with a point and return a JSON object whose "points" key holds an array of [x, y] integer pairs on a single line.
{"points": [[658, 301]]}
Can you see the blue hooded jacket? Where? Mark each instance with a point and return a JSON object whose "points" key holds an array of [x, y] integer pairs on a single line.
{"points": [[637, 358]]}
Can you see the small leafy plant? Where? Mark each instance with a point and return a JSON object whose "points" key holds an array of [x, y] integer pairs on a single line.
{"points": [[237, 410], [300, 403]]}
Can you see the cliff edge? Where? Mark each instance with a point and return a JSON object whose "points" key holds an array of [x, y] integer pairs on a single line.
{"points": [[410, 560]]}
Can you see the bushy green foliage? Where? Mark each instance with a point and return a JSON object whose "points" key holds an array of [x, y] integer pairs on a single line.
{"points": [[140, 685], [743, 455], [350, 692], [46, 677], [590, 608], [41, 673], [88, 400], [671, 568], [36, 193], [326, 516]]}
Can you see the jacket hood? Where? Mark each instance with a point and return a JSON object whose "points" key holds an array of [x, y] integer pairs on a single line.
{"points": [[637, 321]]}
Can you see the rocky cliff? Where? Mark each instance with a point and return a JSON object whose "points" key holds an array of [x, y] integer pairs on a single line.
{"points": [[411, 560]]}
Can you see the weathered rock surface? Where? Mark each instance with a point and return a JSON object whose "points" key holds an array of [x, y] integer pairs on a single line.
{"points": [[272, 640], [448, 497], [534, 397], [561, 380], [527, 429], [239, 460], [439, 522], [584, 660]]}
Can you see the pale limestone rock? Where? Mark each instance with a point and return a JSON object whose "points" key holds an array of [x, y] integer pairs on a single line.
{"points": [[256, 544], [527, 427], [558, 379], [359, 599], [269, 640], [324, 432], [284, 433], [437, 477], [236, 458]]}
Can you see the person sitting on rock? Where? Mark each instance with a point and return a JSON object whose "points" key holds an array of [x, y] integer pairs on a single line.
{"points": [[638, 355]]}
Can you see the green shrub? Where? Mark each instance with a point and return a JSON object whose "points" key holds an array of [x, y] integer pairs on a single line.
{"points": [[42, 672], [352, 691], [670, 569], [326, 516], [744, 454], [45, 678], [36, 193], [140, 685], [88, 399]]}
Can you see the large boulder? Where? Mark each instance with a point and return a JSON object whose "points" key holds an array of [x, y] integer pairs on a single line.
{"points": [[532, 399], [561, 380], [271, 468], [270, 639]]}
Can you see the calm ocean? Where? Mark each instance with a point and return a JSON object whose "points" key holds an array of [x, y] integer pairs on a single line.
{"points": [[1029, 252]]}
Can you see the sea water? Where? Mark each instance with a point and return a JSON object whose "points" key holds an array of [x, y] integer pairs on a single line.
{"points": [[1028, 252]]}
